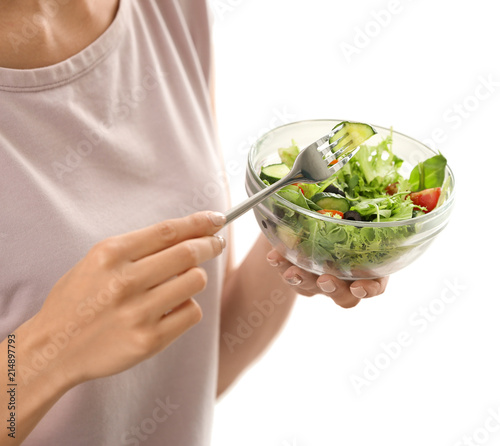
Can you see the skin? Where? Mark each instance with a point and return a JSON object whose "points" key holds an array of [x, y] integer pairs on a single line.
{"points": [[45, 38], [152, 275]]}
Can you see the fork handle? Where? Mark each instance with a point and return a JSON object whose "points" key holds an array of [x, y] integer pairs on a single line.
{"points": [[254, 200]]}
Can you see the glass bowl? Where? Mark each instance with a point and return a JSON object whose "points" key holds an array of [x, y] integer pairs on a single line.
{"points": [[388, 247]]}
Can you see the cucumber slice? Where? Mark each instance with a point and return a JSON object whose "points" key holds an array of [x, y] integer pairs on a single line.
{"points": [[289, 238], [274, 172], [356, 132], [327, 200]]}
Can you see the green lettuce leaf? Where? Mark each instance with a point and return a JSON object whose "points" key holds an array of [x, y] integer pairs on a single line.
{"points": [[428, 174], [289, 154]]}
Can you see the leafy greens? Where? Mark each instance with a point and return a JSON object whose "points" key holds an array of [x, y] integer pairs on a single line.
{"points": [[365, 181]]}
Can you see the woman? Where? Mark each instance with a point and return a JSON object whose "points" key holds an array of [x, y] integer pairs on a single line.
{"points": [[107, 142]]}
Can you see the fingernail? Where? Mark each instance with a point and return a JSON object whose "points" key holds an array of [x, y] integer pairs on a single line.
{"points": [[222, 241], [273, 262], [294, 280], [327, 287], [217, 218], [358, 292]]}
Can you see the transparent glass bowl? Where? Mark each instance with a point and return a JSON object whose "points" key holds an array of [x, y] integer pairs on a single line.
{"points": [[389, 246]]}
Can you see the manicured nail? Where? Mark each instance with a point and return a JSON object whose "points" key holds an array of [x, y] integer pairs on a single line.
{"points": [[217, 218], [273, 262], [358, 292], [327, 287], [294, 280], [222, 241]]}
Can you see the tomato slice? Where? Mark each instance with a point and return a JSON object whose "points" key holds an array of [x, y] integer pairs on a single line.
{"points": [[427, 198], [331, 212], [297, 184]]}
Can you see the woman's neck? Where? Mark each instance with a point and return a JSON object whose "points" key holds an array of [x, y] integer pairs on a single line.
{"points": [[39, 33]]}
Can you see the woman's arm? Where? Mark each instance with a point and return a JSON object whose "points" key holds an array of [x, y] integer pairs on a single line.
{"points": [[32, 388], [136, 288], [258, 297], [255, 304]]}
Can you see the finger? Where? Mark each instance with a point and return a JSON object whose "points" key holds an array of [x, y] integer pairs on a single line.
{"points": [[178, 321], [293, 275], [303, 280], [274, 258], [338, 290], [277, 261], [368, 288], [168, 295], [345, 300], [160, 267], [160, 236]]}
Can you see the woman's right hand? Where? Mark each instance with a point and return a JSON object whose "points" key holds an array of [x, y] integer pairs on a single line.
{"points": [[128, 299]]}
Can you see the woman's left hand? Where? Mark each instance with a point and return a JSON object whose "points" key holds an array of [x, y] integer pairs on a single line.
{"points": [[347, 294]]}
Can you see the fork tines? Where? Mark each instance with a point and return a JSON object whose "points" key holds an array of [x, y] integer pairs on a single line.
{"points": [[327, 152], [343, 161]]}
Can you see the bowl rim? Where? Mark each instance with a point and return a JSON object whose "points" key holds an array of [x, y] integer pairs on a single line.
{"points": [[361, 224]]}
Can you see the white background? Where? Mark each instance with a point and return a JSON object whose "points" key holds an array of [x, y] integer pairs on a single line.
{"points": [[421, 69]]}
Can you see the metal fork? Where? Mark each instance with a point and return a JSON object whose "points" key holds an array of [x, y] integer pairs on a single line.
{"points": [[312, 164]]}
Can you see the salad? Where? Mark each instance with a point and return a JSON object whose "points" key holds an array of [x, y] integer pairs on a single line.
{"points": [[370, 188]]}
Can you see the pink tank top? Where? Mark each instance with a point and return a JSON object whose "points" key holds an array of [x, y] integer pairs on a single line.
{"points": [[116, 138]]}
